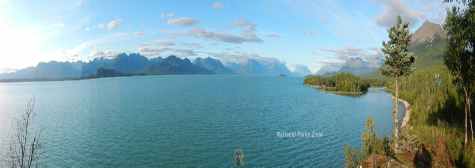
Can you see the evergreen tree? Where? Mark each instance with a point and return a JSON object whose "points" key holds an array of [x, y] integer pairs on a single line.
{"points": [[398, 62], [460, 56], [369, 141]]}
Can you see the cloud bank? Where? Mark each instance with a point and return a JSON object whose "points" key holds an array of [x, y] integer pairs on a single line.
{"points": [[182, 21], [394, 8]]}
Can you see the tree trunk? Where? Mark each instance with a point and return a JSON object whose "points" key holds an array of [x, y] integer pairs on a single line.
{"points": [[395, 116], [466, 115], [469, 101]]}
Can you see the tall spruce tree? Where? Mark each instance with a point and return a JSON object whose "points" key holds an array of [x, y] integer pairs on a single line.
{"points": [[398, 63], [460, 55]]}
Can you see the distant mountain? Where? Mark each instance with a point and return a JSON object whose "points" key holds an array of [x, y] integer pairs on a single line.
{"points": [[135, 64], [90, 68], [300, 70], [131, 63], [50, 70], [104, 72], [213, 65], [175, 65], [258, 66], [428, 32], [138, 64], [122, 64], [328, 69], [358, 66], [354, 65], [428, 45]]}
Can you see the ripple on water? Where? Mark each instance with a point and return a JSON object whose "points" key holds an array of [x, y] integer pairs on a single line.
{"points": [[195, 121]]}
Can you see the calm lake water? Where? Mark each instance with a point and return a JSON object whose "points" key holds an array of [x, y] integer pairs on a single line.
{"points": [[192, 121]]}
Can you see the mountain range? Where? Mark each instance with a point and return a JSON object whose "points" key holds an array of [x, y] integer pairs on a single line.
{"points": [[136, 64], [259, 65], [427, 43]]}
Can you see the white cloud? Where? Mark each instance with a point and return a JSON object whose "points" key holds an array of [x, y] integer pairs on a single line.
{"points": [[247, 34], [217, 5], [113, 24], [103, 54], [80, 3], [373, 56], [248, 29], [434, 11], [182, 21], [339, 21], [223, 37], [151, 51], [241, 57], [245, 24], [88, 49], [192, 45], [273, 35], [394, 8], [167, 14], [164, 43]]}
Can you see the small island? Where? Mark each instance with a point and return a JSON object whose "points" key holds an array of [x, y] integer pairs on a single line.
{"points": [[341, 83]]}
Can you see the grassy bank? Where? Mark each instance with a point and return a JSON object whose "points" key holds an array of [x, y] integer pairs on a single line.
{"points": [[433, 137], [437, 114]]}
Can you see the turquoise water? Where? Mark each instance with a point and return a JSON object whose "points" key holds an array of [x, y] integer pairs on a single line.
{"points": [[192, 121]]}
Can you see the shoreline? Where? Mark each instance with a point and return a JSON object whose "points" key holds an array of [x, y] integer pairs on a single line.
{"points": [[407, 109], [342, 93], [407, 112], [407, 105]]}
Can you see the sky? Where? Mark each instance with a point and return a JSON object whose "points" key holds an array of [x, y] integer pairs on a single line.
{"points": [[297, 32]]}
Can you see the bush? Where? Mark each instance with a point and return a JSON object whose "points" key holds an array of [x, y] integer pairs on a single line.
{"points": [[352, 157], [371, 144]]}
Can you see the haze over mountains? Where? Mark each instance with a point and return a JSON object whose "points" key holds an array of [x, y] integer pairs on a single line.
{"points": [[427, 44], [137, 64]]}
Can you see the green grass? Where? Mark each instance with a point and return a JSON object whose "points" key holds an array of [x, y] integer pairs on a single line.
{"points": [[437, 111], [437, 106]]}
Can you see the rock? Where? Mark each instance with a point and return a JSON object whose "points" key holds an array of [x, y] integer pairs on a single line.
{"points": [[422, 158]]}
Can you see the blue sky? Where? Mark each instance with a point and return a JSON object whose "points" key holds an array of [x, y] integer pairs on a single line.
{"points": [[306, 32]]}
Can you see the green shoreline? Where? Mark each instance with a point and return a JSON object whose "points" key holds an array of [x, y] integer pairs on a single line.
{"points": [[407, 106], [343, 93]]}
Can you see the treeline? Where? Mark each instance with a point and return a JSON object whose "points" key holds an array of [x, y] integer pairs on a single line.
{"points": [[436, 126], [342, 82], [437, 114], [440, 131]]}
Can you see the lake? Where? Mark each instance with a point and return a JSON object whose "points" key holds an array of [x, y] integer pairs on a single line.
{"points": [[192, 121]]}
